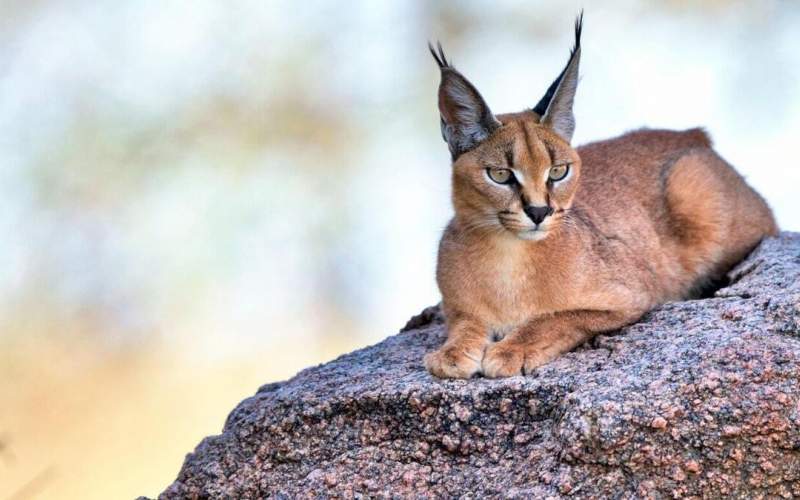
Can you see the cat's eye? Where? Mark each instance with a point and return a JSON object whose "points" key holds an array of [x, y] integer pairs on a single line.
{"points": [[500, 175], [558, 172]]}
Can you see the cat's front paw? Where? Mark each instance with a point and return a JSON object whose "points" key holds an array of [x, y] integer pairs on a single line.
{"points": [[453, 361], [503, 359]]}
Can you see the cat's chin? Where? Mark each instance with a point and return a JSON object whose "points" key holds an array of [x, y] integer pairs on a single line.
{"points": [[532, 234]]}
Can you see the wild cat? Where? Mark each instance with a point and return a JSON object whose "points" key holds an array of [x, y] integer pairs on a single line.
{"points": [[551, 245]]}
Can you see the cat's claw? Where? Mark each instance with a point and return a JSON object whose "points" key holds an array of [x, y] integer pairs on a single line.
{"points": [[534, 359]]}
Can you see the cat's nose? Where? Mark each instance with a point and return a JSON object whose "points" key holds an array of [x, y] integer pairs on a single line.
{"points": [[537, 214]]}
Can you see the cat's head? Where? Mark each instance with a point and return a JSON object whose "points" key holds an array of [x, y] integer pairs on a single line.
{"points": [[513, 172]]}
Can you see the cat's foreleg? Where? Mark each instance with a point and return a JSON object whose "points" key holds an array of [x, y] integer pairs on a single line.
{"points": [[542, 340], [461, 354]]}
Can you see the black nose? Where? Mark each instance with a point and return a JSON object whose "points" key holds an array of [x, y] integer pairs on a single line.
{"points": [[537, 214]]}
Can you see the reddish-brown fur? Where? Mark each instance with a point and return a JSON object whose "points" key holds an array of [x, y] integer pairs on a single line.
{"points": [[537, 261], [648, 217]]}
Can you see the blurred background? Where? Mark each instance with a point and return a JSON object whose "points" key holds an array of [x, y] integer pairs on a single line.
{"points": [[197, 198]]}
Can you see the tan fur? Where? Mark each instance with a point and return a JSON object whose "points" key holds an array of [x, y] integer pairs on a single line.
{"points": [[648, 217]]}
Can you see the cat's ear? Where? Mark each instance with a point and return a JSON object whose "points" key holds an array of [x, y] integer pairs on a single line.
{"points": [[465, 118], [555, 108]]}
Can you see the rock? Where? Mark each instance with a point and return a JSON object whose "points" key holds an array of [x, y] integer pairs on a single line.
{"points": [[700, 398]]}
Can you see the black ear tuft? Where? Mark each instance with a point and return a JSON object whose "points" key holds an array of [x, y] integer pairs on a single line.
{"points": [[544, 102], [555, 108], [440, 58]]}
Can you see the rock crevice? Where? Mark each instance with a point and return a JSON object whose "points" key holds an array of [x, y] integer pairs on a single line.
{"points": [[698, 398]]}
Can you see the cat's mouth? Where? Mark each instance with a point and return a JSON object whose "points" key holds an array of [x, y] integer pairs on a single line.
{"points": [[524, 231], [533, 234]]}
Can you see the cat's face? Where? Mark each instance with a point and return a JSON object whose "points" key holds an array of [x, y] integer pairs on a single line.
{"points": [[514, 172], [522, 179]]}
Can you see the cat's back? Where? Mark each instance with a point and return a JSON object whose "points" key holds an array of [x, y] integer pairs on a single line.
{"points": [[642, 145], [639, 153], [674, 202], [630, 169]]}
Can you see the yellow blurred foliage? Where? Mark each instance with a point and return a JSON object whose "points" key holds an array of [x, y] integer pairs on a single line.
{"points": [[77, 422]]}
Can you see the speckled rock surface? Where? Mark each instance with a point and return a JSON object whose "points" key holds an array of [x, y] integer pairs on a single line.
{"points": [[701, 398]]}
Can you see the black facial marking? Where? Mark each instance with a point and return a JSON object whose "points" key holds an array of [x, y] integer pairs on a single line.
{"points": [[510, 157], [550, 154], [525, 136]]}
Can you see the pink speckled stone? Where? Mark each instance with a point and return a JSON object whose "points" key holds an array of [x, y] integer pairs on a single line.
{"points": [[701, 398]]}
